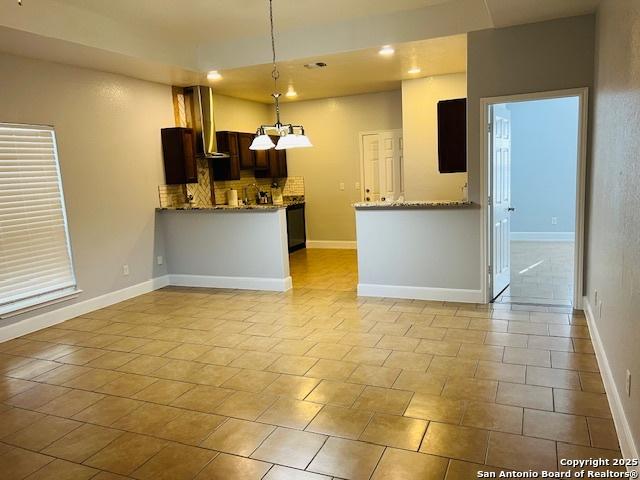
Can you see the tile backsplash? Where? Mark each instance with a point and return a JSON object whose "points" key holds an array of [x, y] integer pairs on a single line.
{"points": [[291, 186]]}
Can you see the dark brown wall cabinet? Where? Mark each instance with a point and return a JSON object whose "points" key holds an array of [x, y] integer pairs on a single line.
{"points": [[180, 164], [276, 163], [247, 156], [227, 168], [452, 135]]}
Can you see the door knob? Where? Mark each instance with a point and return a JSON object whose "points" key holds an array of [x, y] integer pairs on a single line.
{"points": [[511, 209]]}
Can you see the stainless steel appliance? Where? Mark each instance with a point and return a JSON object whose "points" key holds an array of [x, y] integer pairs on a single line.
{"points": [[198, 103]]}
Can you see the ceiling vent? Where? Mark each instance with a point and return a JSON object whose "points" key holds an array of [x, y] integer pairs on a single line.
{"points": [[313, 65]]}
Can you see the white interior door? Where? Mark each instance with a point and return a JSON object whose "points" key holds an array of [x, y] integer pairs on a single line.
{"points": [[500, 198], [382, 165]]}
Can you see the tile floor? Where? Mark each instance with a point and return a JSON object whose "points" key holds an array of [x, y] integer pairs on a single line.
{"points": [[541, 273], [309, 384]]}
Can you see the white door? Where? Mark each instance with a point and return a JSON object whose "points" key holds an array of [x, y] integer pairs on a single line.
{"points": [[382, 165], [500, 201]]}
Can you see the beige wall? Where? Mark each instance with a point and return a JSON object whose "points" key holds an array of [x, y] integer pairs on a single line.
{"points": [[420, 99], [108, 131], [613, 246], [333, 126], [237, 115], [537, 57]]}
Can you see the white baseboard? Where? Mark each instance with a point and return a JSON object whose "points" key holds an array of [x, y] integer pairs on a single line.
{"points": [[243, 283], [420, 293], [68, 312], [627, 445], [339, 244], [542, 236]]}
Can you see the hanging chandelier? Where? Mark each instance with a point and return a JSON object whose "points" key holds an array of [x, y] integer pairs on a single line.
{"points": [[290, 136]]}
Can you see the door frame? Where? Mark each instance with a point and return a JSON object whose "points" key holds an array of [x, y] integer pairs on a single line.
{"points": [[361, 135], [581, 174]]}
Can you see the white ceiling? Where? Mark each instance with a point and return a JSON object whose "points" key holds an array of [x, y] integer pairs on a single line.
{"points": [[177, 41]]}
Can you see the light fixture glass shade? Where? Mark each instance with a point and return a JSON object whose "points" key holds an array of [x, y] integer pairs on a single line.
{"points": [[262, 142], [293, 141]]}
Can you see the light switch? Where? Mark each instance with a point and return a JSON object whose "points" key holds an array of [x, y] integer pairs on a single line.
{"points": [[341, 186]]}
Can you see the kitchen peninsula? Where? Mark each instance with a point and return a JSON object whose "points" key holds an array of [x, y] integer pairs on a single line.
{"points": [[419, 250], [226, 247]]}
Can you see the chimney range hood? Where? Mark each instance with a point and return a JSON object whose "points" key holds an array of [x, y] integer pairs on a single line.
{"points": [[198, 102]]}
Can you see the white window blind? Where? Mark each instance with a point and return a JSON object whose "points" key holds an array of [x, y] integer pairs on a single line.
{"points": [[35, 254]]}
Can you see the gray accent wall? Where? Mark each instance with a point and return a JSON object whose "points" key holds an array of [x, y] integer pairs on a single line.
{"points": [[613, 222]]}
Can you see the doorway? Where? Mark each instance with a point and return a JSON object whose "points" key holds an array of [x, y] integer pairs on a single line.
{"points": [[381, 165], [535, 185]]}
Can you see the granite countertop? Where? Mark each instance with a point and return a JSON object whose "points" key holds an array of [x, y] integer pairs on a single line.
{"points": [[265, 207], [413, 204]]}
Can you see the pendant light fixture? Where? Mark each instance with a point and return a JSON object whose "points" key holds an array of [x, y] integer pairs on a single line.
{"points": [[291, 136]]}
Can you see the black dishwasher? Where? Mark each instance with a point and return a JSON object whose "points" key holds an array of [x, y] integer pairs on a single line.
{"points": [[296, 233]]}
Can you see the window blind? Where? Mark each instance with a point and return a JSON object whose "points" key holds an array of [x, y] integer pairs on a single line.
{"points": [[35, 254]]}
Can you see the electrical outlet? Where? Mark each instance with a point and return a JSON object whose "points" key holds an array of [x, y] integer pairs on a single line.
{"points": [[628, 384], [554, 220], [160, 260], [125, 270], [341, 186], [357, 185]]}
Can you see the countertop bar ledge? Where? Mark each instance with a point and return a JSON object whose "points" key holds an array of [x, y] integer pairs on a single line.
{"points": [[414, 204]]}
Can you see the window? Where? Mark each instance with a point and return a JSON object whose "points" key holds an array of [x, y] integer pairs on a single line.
{"points": [[35, 253]]}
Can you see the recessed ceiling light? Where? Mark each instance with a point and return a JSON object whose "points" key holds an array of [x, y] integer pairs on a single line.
{"points": [[414, 70], [386, 50], [291, 93], [214, 75], [315, 65]]}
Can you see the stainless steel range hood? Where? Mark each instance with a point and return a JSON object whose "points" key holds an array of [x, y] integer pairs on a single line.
{"points": [[198, 102]]}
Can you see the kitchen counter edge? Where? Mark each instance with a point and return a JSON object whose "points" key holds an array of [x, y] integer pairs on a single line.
{"points": [[415, 205]]}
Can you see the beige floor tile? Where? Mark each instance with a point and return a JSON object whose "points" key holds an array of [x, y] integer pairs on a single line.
{"points": [[292, 386], [577, 452], [506, 339], [360, 339], [501, 371], [292, 364], [181, 370], [332, 370], [279, 472], [574, 361], [156, 347], [470, 389], [553, 377], [591, 382], [452, 367], [367, 355], [550, 343], [41, 433], [448, 321], [529, 396], [202, 398], [375, 376], [291, 413], [144, 365], [383, 400], [148, 419], [259, 344], [225, 467], [395, 431], [238, 437], [581, 403], [428, 333], [438, 347], [19, 463], [481, 352], [82, 443], [36, 397], [464, 336], [329, 351], [527, 356], [70, 403], [163, 391], [603, 433], [435, 408], [340, 422], [63, 470], [220, 356], [245, 405], [111, 360], [459, 470], [400, 464], [398, 343], [106, 411], [190, 427], [291, 448], [255, 360], [521, 453], [420, 382], [175, 462], [528, 328], [126, 385], [93, 379], [463, 443], [346, 459], [250, 380], [418, 362], [16, 419], [335, 393], [61, 374], [491, 416], [294, 347], [126, 453], [556, 426]]}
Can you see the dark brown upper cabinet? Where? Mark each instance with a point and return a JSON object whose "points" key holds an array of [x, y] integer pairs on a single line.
{"points": [[247, 156], [276, 163], [180, 165], [262, 160], [227, 168], [452, 135]]}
